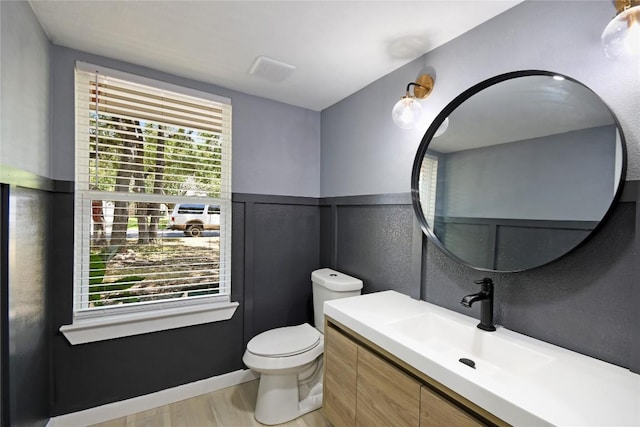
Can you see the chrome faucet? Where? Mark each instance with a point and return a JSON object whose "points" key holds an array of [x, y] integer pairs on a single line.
{"points": [[485, 296]]}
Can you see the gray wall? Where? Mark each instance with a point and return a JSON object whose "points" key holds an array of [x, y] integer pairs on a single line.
{"points": [[364, 153], [379, 233], [276, 147], [24, 159], [374, 238], [561, 177], [635, 295], [5, 402], [29, 353], [275, 248], [280, 248], [587, 300], [24, 129]]}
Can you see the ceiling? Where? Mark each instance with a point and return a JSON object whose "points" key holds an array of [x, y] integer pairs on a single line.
{"points": [[337, 47]]}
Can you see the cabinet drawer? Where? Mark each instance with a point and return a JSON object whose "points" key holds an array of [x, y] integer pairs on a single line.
{"points": [[386, 395], [436, 411]]}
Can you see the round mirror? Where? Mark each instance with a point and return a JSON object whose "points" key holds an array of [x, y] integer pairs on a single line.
{"points": [[529, 165]]}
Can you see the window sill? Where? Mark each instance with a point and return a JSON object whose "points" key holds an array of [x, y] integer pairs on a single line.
{"points": [[93, 329]]}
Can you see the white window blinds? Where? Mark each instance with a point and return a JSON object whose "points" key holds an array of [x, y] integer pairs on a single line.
{"points": [[428, 185], [144, 150]]}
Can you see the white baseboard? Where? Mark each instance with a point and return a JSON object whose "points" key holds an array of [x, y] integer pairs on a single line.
{"points": [[123, 408]]}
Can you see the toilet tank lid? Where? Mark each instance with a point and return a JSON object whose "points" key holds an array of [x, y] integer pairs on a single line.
{"points": [[335, 281]]}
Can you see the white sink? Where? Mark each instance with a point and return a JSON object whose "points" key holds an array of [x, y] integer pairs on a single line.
{"points": [[457, 337], [519, 379]]}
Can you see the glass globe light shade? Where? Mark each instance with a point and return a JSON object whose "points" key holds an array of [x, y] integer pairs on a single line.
{"points": [[406, 113], [621, 37], [442, 128]]}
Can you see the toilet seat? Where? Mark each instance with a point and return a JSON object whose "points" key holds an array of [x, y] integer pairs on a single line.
{"points": [[294, 359], [285, 341]]}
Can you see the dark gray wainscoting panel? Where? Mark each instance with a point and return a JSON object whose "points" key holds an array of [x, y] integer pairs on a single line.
{"points": [[238, 262], [518, 245], [92, 374], [456, 235], [635, 344], [98, 373], [581, 302], [4, 306], [509, 244], [282, 242], [328, 236], [28, 307], [376, 240]]}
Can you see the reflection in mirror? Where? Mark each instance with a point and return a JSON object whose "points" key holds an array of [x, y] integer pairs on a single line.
{"points": [[529, 165]]}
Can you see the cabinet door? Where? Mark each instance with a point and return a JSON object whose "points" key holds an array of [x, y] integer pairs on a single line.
{"points": [[340, 360], [386, 395], [436, 411]]}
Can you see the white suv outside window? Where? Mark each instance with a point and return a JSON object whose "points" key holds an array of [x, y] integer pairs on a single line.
{"points": [[193, 218]]}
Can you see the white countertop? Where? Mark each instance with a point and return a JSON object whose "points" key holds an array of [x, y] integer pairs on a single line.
{"points": [[524, 381]]}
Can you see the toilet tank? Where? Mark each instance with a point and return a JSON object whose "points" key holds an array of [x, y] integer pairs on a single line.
{"points": [[330, 284]]}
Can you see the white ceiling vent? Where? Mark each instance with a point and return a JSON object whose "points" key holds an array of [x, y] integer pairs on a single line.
{"points": [[271, 69]]}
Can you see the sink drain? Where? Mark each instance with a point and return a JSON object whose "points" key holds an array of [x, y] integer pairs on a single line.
{"points": [[468, 362]]}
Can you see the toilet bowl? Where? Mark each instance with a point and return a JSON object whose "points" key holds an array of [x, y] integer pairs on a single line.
{"points": [[284, 357], [289, 359]]}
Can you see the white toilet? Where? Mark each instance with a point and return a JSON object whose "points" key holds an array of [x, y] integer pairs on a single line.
{"points": [[289, 359]]}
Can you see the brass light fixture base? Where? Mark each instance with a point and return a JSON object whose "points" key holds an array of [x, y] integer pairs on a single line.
{"points": [[620, 38], [423, 86], [622, 5]]}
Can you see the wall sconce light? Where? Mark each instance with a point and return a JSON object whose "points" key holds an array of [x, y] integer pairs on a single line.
{"points": [[408, 111], [621, 37]]}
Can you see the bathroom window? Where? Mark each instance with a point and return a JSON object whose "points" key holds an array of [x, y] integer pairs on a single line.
{"points": [[145, 150]]}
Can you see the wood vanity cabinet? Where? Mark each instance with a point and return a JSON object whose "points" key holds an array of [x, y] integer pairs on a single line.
{"points": [[365, 387]]}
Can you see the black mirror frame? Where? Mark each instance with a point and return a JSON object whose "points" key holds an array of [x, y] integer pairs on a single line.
{"points": [[450, 108]]}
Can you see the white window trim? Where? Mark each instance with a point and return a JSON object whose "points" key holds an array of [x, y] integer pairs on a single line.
{"points": [[100, 328], [117, 322]]}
